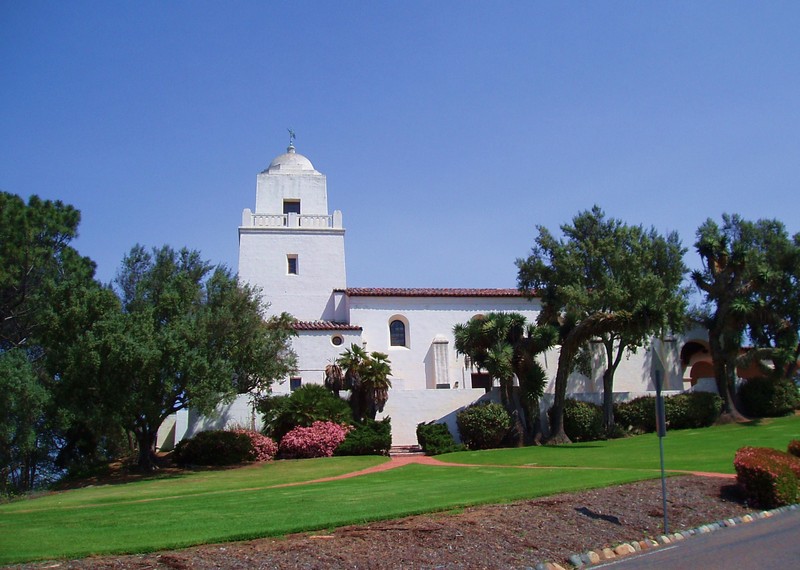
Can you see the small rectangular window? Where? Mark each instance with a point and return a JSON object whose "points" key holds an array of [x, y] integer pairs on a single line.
{"points": [[295, 383], [291, 264], [291, 206]]}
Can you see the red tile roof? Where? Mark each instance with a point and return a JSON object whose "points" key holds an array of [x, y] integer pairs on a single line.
{"points": [[323, 326], [402, 292]]}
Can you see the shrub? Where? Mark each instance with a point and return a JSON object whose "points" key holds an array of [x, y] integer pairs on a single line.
{"points": [[214, 447], [794, 447], [483, 426], [637, 415], [435, 438], [765, 397], [263, 448], [684, 411], [368, 438], [308, 404], [583, 421], [319, 440], [768, 477], [692, 410]]}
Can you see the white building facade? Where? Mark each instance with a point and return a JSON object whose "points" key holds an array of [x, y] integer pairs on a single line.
{"points": [[292, 248]]}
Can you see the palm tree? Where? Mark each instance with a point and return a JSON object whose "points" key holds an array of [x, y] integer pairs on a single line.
{"points": [[334, 378], [377, 383], [367, 375], [505, 345]]}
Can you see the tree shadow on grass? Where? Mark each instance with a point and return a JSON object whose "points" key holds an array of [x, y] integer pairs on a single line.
{"points": [[569, 446]]}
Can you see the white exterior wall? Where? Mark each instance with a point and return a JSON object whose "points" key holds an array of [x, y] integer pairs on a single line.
{"points": [[407, 408], [237, 414], [427, 318], [308, 295], [315, 350], [635, 373], [310, 189]]}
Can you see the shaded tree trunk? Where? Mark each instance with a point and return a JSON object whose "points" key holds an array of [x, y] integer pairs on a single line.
{"points": [[534, 432], [557, 433], [608, 401], [612, 361], [519, 417], [146, 441], [725, 377], [593, 325]]}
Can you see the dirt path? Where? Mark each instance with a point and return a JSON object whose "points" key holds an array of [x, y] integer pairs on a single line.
{"points": [[505, 536], [403, 460]]}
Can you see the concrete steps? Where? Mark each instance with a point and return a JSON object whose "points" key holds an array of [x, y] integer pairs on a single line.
{"points": [[405, 450]]}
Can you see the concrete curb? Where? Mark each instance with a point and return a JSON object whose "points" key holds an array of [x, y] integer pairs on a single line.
{"points": [[593, 557]]}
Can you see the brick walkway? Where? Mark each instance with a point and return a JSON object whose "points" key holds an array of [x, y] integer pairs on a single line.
{"points": [[403, 460]]}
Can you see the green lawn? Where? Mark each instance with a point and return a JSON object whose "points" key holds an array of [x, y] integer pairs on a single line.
{"points": [[710, 449], [251, 477], [233, 504]]}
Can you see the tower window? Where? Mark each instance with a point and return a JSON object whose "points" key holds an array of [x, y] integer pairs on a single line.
{"points": [[291, 264], [397, 333], [291, 206]]}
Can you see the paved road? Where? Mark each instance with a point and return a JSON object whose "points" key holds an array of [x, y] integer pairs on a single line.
{"points": [[763, 543]]}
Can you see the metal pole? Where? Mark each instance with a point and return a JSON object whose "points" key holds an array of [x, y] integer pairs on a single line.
{"points": [[661, 426], [663, 485]]}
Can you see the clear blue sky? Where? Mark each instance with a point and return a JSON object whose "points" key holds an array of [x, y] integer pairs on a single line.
{"points": [[447, 130]]}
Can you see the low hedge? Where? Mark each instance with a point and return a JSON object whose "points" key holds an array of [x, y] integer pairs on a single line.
{"points": [[692, 410], [637, 415], [368, 438], [794, 447], [689, 410], [768, 477], [483, 426], [767, 398], [435, 438], [224, 447], [583, 421]]}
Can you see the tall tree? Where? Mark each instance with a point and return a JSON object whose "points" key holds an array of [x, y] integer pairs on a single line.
{"points": [[506, 345], [749, 278], [775, 326], [38, 270], [606, 282], [24, 400], [36, 260], [186, 334]]}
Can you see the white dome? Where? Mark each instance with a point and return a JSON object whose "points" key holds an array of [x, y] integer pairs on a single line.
{"points": [[290, 163]]}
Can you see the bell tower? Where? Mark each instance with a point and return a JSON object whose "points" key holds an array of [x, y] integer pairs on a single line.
{"points": [[290, 246]]}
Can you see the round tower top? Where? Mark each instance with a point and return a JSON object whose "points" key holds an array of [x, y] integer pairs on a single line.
{"points": [[290, 162]]}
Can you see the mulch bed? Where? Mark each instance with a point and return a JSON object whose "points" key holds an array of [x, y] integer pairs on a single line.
{"points": [[514, 535]]}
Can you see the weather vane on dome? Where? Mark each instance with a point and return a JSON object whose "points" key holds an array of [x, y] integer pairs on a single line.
{"points": [[292, 136]]}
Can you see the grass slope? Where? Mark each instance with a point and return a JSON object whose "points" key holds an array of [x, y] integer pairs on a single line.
{"points": [[710, 449], [234, 504], [128, 525]]}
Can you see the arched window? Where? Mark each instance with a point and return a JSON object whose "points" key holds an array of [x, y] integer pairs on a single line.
{"points": [[397, 333]]}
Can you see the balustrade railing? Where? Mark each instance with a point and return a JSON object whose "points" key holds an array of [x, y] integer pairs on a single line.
{"points": [[294, 221]]}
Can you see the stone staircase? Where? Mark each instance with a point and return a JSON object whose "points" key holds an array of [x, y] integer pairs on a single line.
{"points": [[405, 450]]}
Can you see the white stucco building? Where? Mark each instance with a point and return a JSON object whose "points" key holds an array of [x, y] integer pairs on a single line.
{"points": [[292, 247]]}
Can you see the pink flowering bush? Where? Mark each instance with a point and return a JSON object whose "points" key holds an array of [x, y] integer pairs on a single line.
{"points": [[768, 477], [794, 447], [319, 440], [264, 448]]}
